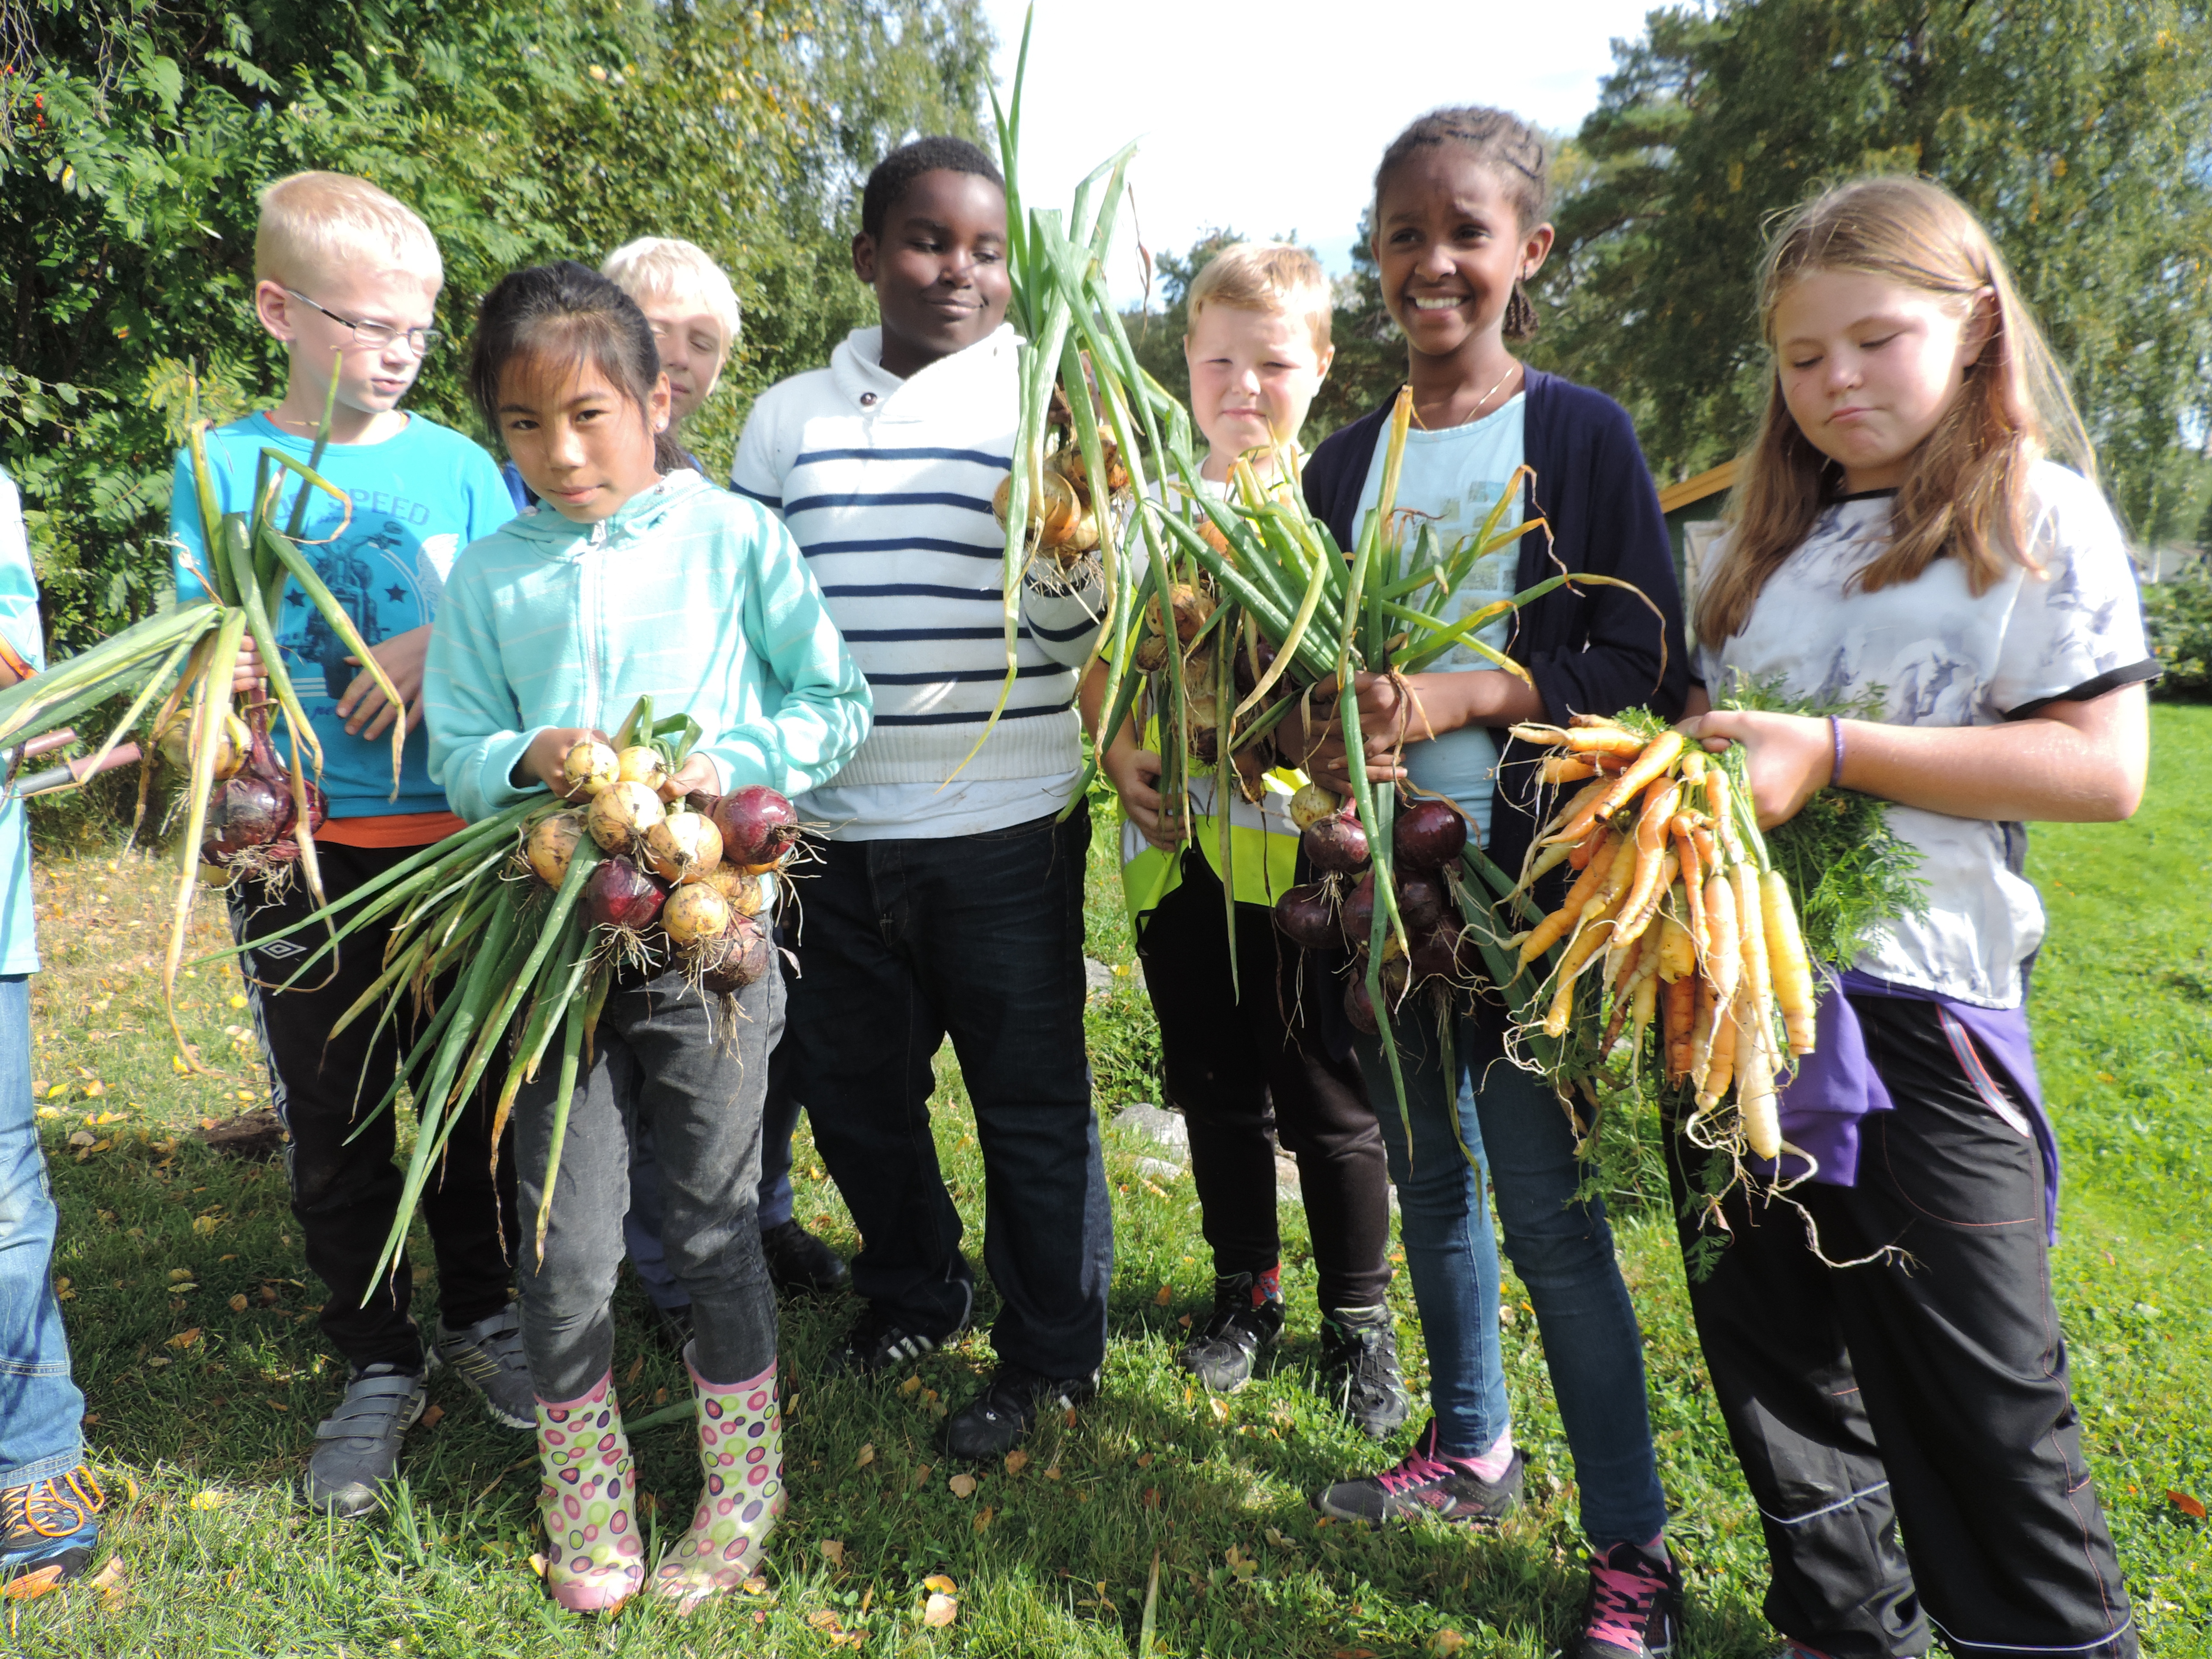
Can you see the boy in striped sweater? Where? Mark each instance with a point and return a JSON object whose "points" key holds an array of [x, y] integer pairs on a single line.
{"points": [[942, 909]]}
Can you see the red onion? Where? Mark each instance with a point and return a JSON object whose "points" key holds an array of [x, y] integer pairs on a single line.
{"points": [[1337, 844], [1357, 918], [248, 810], [747, 953], [758, 825], [1423, 899], [1305, 916], [1359, 1007], [619, 894], [1429, 833], [1446, 951]]}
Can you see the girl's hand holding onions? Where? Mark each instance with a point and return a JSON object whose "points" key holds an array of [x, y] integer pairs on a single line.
{"points": [[697, 774], [541, 762], [1135, 775]]}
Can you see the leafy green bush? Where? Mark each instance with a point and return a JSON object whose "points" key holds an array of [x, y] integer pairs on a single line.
{"points": [[2178, 613]]}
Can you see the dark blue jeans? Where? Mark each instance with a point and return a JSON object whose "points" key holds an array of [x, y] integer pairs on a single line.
{"points": [[39, 1407], [1562, 1248], [980, 939]]}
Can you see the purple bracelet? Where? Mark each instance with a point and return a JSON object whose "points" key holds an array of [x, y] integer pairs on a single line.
{"points": [[1836, 768]]}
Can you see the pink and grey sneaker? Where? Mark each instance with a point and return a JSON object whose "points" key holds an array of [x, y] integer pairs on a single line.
{"points": [[1424, 1483], [1634, 1610]]}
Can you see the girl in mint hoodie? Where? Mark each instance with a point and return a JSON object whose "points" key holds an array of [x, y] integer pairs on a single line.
{"points": [[629, 579]]}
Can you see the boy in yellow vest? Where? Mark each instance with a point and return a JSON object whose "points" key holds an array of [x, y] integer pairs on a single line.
{"points": [[1258, 348]]}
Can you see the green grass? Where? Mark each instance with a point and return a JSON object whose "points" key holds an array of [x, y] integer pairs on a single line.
{"points": [[199, 1441]]}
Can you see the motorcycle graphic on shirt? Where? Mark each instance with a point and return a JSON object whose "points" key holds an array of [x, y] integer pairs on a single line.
{"points": [[374, 577]]}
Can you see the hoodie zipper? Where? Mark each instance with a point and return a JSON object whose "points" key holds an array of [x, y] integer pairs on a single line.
{"points": [[592, 622]]}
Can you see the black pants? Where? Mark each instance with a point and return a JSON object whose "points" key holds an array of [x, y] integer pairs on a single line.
{"points": [[1927, 1396], [345, 1192], [1227, 1057], [979, 938]]}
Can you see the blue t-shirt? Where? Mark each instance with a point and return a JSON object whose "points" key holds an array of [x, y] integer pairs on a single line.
{"points": [[1449, 481], [19, 623], [418, 498]]}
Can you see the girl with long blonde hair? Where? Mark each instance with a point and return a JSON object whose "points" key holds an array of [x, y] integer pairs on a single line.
{"points": [[1903, 546]]}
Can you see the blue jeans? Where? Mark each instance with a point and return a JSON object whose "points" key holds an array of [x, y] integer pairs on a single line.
{"points": [[1510, 1123], [40, 1409]]}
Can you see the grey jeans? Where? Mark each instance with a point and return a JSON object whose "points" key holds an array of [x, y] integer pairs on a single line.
{"points": [[696, 1077]]}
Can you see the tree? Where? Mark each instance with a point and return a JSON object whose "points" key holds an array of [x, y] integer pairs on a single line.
{"points": [[133, 136], [2081, 130]]}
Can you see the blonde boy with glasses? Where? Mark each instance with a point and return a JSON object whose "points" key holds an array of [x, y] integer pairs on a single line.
{"points": [[346, 279]]}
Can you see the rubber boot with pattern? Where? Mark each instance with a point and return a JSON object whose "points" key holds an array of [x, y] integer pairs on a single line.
{"points": [[741, 1452], [594, 1558]]}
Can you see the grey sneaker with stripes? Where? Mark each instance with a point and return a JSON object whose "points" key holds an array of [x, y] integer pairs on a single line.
{"points": [[487, 1356]]}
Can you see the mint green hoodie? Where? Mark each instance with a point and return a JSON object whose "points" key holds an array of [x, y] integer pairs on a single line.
{"points": [[696, 596]]}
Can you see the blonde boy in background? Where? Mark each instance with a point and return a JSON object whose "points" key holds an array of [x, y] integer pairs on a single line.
{"points": [[693, 310], [347, 279], [1258, 349]]}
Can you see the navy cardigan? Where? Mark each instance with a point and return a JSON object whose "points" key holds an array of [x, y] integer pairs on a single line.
{"points": [[1591, 650]]}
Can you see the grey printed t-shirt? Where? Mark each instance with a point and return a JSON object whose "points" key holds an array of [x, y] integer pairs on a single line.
{"points": [[1931, 653]]}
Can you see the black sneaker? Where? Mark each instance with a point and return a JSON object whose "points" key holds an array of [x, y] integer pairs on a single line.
{"points": [[878, 1341], [1425, 1484], [1634, 1608], [800, 1262], [1359, 1369], [1245, 1321], [990, 1423]]}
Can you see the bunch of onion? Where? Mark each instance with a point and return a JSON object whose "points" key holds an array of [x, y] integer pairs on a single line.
{"points": [[1065, 509], [253, 817], [178, 665]]}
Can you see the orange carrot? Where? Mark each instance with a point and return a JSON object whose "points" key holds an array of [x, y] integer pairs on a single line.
{"points": [[1681, 1010], [1656, 757], [1678, 953], [1553, 927], [1694, 874], [1565, 768], [1720, 1064], [1660, 800]]}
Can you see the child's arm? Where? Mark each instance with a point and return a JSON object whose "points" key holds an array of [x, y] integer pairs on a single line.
{"points": [[1134, 772], [2069, 762], [477, 741], [826, 707]]}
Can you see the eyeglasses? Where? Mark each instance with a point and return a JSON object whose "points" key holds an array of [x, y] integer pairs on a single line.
{"points": [[376, 336]]}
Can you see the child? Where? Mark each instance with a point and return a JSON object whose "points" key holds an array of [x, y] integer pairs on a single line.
{"points": [[944, 904], [50, 1504], [1458, 229], [694, 313], [342, 271], [1258, 349], [636, 583], [1897, 541]]}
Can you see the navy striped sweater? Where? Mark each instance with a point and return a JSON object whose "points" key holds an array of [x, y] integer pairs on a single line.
{"points": [[886, 484]]}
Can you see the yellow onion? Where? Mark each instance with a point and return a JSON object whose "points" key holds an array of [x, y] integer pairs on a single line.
{"points": [[694, 912], [552, 844], [1152, 652], [622, 815], [1193, 605], [232, 744], [640, 764], [684, 845], [741, 891], [589, 767], [1057, 516], [1311, 804]]}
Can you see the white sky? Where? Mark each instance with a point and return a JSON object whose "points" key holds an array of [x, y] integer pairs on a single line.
{"points": [[1268, 116]]}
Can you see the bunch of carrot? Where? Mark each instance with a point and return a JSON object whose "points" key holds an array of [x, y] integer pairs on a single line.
{"points": [[1678, 915]]}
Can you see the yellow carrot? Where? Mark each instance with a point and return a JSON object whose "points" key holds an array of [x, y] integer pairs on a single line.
{"points": [[1644, 1001], [1553, 927], [1786, 961], [1724, 815], [1623, 867], [1633, 923], [1724, 952], [1605, 740], [1756, 980], [1720, 1065], [1678, 955], [1656, 757], [1547, 860], [1756, 1103], [1581, 797], [1565, 768]]}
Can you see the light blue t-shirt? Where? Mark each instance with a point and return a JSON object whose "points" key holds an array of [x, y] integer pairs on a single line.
{"points": [[1449, 481], [19, 621], [418, 499]]}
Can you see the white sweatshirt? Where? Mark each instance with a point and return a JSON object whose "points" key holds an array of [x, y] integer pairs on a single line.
{"points": [[886, 484]]}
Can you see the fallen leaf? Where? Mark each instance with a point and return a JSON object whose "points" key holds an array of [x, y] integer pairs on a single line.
{"points": [[1152, 1497], [1445, 1642], [833, 1550], [30, 1586], [178, 1273], [822, 1618], [1017, 1460], [868, 1596], [82, 1138], [238, 1304], [1053, 1472], [938, 1582], [184, 1339], [922, 1477], [938, 1611], [756, 1586], [1220, 1409], [637, 1366], [963, 1486], [1278, 1539], [1184, 1322], [912, 1385], [538, 1564], [867, 1456], [430, 1416], [1166, 1295], [212, 1498], [2191, 1507], [660, 1395], [1144, 1460]]}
